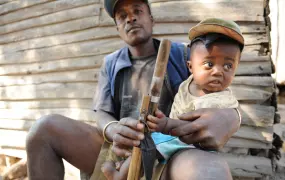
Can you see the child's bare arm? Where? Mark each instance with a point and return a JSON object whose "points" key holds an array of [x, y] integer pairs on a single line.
{"points": [[163, 124]]}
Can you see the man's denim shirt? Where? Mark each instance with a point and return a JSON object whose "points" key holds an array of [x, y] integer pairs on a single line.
{"points": [[177, 72]]}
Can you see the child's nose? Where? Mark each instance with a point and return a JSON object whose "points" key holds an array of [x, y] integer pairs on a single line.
{"points": [[217, 71]]}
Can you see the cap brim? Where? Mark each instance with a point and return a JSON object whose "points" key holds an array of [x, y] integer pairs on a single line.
{"points": [[109, 7], [203, 29]]}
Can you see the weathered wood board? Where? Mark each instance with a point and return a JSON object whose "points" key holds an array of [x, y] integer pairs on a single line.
{"points": [[51, 52]]}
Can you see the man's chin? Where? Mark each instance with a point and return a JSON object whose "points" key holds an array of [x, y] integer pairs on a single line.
{"points": [[135, 41]]}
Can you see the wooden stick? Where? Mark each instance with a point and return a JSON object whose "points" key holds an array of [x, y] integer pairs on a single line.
{"points": [[136, 161], [150, 103]]}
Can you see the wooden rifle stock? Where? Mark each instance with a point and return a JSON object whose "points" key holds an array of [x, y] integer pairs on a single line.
{"points": [[150, 103]]}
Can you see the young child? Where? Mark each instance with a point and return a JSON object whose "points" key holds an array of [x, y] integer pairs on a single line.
{"points": [[215, 47]]}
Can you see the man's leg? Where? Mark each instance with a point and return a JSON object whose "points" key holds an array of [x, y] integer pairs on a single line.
{"points": [[55, 137], [194, 164]]}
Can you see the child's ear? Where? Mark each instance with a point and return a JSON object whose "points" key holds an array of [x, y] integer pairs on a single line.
{"points": [[189, 65]]}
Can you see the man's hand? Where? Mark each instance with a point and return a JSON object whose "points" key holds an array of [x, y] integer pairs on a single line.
{"points": [[211, 127], [125, 134], [113, 171]]}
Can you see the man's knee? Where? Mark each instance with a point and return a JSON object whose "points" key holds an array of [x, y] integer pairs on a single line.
{"points": [[40, 131], [196, 164]]}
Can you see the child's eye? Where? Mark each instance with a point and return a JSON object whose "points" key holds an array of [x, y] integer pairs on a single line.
{"points": [[228, 66], [123, 16], [208, 64]]}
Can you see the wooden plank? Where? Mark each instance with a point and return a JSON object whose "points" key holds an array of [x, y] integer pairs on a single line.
{"points": [[33, 114], [43, 9], [184, 27], [24, 119], [16, 139], [213, 1], [250, 39], [36, 37], [240, 151], [248, 166], [62, 52], [48, 104], [253, 56], [55, 90], [254, 81], [247, 93], [252, 115], [89, 62], [67, 15], [11, 138], [14, 124], [247, 143], [87, 75], [12, 119], [257, 115], [5, 1], [25, 125], [86, 70], [279, 130], [95, 48], [74, 90], [44, 31], [263, 134], [254, 68], [16, 5], [73, 32], [19, 153], [195, 11]]}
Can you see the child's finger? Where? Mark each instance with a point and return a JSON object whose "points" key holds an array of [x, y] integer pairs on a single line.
{"points": [[151, 125], [109, 170], [151, 118], [119, 164], [159, 114], [124, 169]]}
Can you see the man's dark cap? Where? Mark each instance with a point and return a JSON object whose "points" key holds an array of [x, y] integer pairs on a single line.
{"points": [[111, 4]]}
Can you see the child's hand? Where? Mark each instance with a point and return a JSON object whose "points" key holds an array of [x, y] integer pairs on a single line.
{"points": [[158, 122], [163, 124], [116, 171]]}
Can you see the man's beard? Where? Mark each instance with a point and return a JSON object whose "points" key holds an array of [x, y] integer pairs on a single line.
{"points": [[139, 41]]}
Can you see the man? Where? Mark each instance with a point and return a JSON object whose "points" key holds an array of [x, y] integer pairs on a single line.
{"points": [[124, 77]]}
